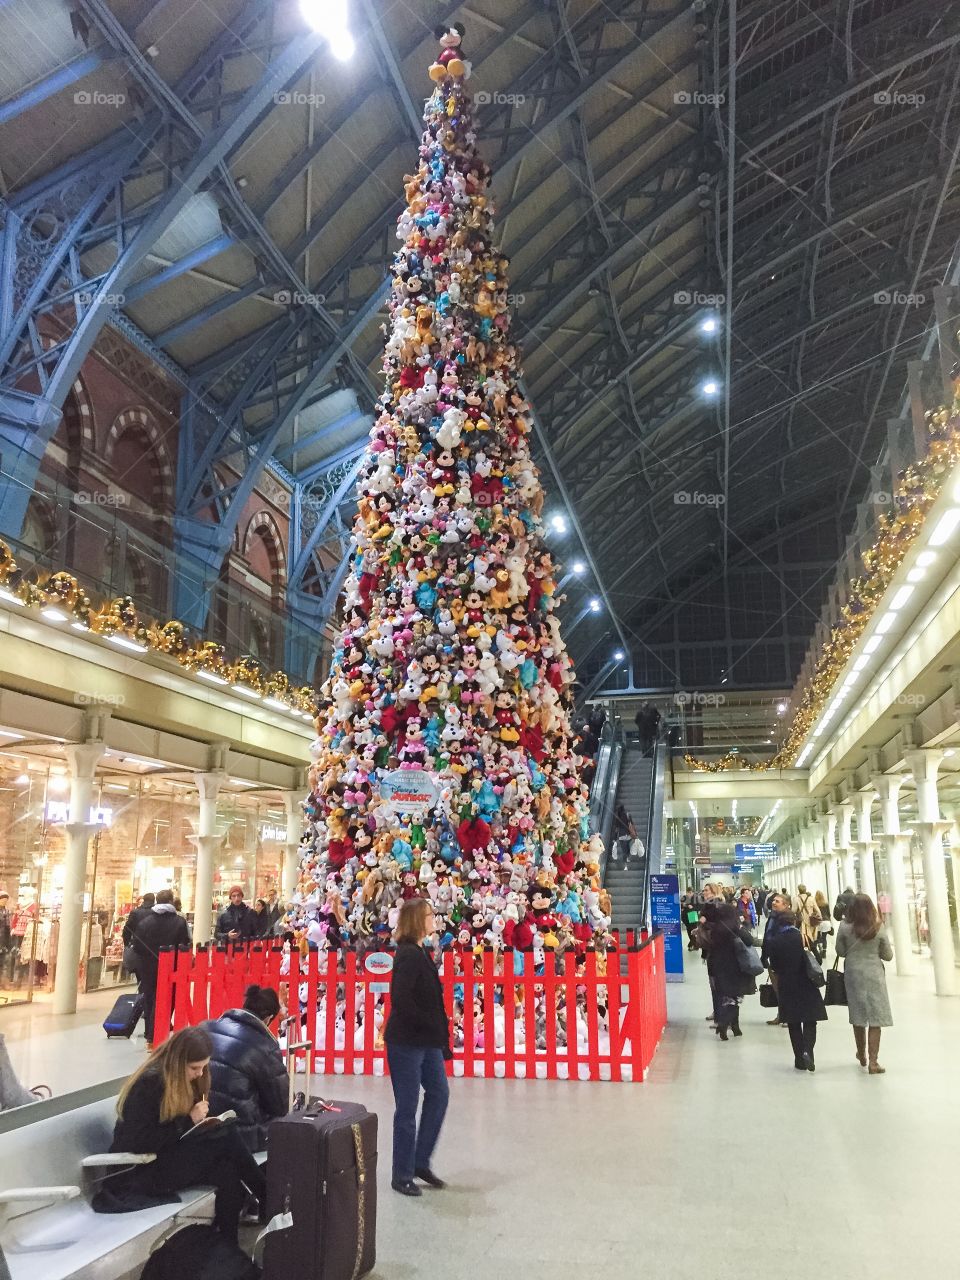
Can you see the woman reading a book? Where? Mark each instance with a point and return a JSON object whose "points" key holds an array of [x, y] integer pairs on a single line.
{"points": [[163, 1109]]}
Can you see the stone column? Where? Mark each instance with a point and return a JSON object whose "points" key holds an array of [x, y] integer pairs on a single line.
{"points": [[208, 846], [888, 788], [924, 765], [831, 869], [848, 870], [291, 854], [866, 844], [83, 758]]}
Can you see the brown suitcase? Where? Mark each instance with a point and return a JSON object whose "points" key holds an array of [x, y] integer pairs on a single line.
{"points": [[322, 1169]]}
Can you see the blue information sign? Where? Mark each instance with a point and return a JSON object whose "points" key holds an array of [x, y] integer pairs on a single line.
{"points": [[665, 915], [755, 850]]}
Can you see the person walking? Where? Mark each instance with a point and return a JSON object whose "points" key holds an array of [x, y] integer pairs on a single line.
{"points": [[136, 918], [808, 918], [801, 1004], [843, 902], [691, 918], [417, 1037], [863, 943], [247, 1070], [779, 917], [622, 828], [157, 1106], [731, 984], [162, 928], [746, 909], [235, 921], [825, 927]]}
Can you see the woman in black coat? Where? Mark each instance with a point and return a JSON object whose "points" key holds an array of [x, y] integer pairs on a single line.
{"points": [[801, 1004], [157, 1107], [730, 983], [247, 1070], [417, 1036]]}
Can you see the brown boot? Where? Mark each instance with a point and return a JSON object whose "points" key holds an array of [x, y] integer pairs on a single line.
{"points": [[873, 1042], [860, 1035]]}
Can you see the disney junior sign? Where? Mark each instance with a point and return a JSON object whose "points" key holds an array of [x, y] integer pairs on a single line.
{"points": [[409, 791]]}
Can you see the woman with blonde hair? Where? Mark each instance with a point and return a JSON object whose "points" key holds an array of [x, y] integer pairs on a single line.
{"points": [[417, 1036], [157, 1106], [864, 945]]}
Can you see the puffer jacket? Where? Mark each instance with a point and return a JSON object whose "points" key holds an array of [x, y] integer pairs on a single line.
{"points": [[247, 1074]]}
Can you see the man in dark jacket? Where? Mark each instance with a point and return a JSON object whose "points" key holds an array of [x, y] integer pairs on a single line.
{"points": [[843, 904], [780, 918], [247, 1071], [136, 918], [162, 928], [234, 924]]}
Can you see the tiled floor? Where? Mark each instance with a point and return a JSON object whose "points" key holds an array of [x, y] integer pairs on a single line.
{"points": [[726, 1163]]}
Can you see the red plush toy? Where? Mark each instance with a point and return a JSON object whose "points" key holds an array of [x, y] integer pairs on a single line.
{"points": [[473, 834]]}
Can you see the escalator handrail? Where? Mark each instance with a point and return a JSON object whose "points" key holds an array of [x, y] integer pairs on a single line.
{"points": [[653, 833]]}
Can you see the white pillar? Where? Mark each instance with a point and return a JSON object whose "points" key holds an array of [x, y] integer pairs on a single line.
{"points": [[888, 788], [83, 758], [293, 801], [830, 869], [848, 871], [924, 765], [866, 844], [208, 845]]}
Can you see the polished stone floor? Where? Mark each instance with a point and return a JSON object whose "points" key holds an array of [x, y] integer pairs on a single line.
{"points": [[726, 1163]]}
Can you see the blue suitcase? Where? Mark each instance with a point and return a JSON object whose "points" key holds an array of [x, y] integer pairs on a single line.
{"points": [[124, 1016]]}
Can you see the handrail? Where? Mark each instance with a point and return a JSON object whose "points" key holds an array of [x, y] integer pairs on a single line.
{"points": [[654, 830]]}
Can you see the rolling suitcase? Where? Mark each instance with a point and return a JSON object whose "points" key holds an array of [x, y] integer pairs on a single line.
{"points": [[124, 1016], [322, 1169]]}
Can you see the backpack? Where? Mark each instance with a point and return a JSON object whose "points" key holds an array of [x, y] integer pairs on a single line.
{"points": [[201, 1253]]}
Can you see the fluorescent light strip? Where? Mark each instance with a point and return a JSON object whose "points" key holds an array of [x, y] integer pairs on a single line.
{"points": [[901, 598], [53, 614], [211, 677], [246, 691], [926, 557], [945, 526], [872, 645], [124, 643]]}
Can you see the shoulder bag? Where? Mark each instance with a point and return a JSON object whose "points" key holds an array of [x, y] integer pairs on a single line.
{"points": [[813, 968], [747, 958], [836, 992]]}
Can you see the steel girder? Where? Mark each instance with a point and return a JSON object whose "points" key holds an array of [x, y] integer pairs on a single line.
{"points": [[54, 288]]}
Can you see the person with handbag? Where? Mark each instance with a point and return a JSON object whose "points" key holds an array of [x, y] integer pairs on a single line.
{"points": [[808, 917], [729, 967], [863, 943], [825, 927], [801, 1004], [779, 917]]}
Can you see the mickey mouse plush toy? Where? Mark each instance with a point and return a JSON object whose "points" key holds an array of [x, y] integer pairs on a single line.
{"points": [[450, 62]]}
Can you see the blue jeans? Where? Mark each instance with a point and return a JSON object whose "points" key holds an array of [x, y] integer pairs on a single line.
{"points": [[409, 1069]]}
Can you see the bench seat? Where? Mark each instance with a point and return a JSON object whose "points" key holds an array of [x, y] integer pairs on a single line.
{"points": [[67, 1240]]}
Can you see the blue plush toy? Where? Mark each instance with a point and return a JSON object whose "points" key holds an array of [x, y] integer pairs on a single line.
{"points": [[402, 850], [486, 799], [426, 596], [528, 673]]}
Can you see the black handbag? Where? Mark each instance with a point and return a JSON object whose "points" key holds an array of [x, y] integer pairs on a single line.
{"points": [[768, 996], [836, 991]]}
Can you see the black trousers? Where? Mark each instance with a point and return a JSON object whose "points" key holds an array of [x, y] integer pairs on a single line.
{"points": [[803, 1037], [148, 988], [218, 1159]]}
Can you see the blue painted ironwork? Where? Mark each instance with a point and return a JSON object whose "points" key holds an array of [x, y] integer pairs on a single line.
{"points": [[62, 78]]}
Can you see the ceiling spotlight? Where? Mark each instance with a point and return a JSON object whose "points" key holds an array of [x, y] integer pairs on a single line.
{"points": [[781, 708], [709, 324], [710, 388], [558, 523], [578, 567], [594, 604], [342, 45], [618, 656]]}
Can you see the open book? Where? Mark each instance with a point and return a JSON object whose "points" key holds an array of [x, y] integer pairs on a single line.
{"points": [[211, 1122]]}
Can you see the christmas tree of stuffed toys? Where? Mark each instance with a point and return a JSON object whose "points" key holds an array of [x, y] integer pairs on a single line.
{"points": [[445, 763]]}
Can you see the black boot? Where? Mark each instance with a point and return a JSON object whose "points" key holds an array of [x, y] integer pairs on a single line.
{"points": [[735, 1024]]}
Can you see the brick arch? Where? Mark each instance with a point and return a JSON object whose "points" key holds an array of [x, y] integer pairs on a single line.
{"points": [[142, 419], [78, 418], [263, 522]]}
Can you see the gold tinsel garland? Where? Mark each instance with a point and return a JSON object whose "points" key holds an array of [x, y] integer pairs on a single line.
{"points": [[913, 496], [119, 617]]}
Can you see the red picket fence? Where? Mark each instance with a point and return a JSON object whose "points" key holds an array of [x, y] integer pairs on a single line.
{"points": [[618, 999]]}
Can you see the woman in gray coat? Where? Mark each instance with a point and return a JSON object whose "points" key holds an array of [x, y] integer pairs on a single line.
{"points": [[863, 942]]}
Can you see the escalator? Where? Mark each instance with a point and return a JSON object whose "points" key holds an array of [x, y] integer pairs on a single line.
{"points": [[640, 790]]}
